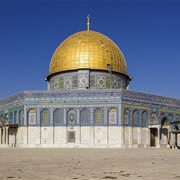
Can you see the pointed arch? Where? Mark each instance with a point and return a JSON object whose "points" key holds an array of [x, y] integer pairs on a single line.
{"points": [[85, 116], [15, 117], [112, 115], [58, 118], [21, 117], [164, 122], [32, 116], [176, 117], [144, 118], [154, 116], [44, 117], [98, 116], [126, 117], [135, 118], [164, 132], [11, 118]]}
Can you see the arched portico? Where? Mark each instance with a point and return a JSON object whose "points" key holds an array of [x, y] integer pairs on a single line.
{"points": [[8, 135], [175, 134], [164, 132]]}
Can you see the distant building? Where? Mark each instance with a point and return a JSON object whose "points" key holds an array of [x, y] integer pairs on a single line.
{"points": [[88, 103]]}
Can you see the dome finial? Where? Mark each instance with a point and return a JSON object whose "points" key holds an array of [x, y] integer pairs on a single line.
{"points": [[88, 23]]}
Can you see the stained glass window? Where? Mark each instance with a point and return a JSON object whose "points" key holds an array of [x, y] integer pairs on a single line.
{"points": [[15, 117], [144, 118], [176, 117], [126, 117], [135, 118], [112, 116], [21, 117], [32, 116], [11, 118], [98, 116], [84, 115], [58, 116], [44, 117], [170, 117]]}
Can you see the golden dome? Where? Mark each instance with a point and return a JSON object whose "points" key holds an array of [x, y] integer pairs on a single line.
{"points": [[87, 49]]}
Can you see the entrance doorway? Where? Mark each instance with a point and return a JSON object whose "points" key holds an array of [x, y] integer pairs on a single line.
{"points": [[71, 136], [153, 136], [12, 136], [164, 139]]}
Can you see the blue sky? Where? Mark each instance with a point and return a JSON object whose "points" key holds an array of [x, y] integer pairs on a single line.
{"points": [[147, 32]]}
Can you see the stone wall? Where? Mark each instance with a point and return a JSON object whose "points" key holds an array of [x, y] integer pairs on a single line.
{"points": [[82, 136]]}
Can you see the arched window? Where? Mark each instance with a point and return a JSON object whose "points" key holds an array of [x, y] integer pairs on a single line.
{"points": [[15, 117], [98, 116], [135, 118], [44, 117], [170, 117], [71, 117], [84, 116], [144, 118], [176, 117], [112, 116], [11, 118], [32, 116], [126, 117], [154, 116], [58, 117], [21, 117]]}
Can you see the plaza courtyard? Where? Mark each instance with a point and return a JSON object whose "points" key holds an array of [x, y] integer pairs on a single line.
{"points": [[89, 163]]}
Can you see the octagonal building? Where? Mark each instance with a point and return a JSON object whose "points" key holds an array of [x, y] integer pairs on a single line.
{"points": [[88, 103]]}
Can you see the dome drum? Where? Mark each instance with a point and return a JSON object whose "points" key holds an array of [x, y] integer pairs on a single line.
{"points": [[88, 79]]}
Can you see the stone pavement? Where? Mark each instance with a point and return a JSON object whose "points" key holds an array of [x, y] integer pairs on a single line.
{"points": [[82, 163]]}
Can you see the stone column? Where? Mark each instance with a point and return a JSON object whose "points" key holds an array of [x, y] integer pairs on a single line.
{"points": [[173, 140], [175, 134], [148, 138], [130, 136], [14, 137], [4, 135], [7, 135], [158, 137], [122, 136], [178, 139], [167, 139], [139, 136], [107, 131]]}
